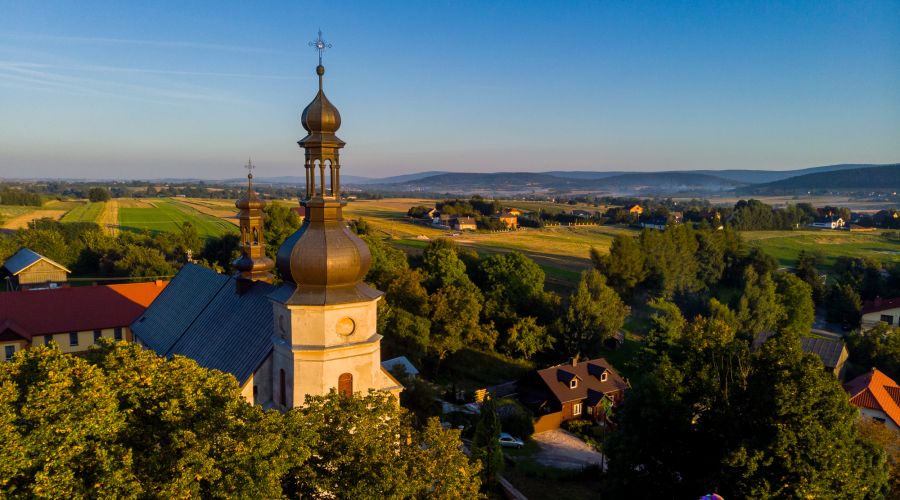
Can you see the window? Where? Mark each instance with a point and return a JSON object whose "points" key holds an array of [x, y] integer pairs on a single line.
{"points": [[573, 383], [10, 351], [117, 333], [73, 338], [48, 339], [603, 376], [576, 409], [97, 335], [590, 410], [282, 398], [345, 384], [887, 318]]}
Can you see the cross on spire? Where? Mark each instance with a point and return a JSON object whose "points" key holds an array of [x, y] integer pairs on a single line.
{"points": [[320, 45], [249, 166]]}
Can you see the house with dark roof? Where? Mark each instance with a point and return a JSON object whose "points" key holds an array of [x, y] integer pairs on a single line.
{"points": [[877, 396], [75, 318], [27, 269], [832, 353], [574, 390], [880, 310], [829, 222]]}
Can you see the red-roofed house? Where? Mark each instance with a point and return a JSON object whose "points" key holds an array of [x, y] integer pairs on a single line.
{"points": [[875, 311], [877, 396], [589, 389], [73, 317]]}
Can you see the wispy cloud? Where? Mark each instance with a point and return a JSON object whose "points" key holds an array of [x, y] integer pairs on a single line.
{"points": [[181, 44], [150, 71]]}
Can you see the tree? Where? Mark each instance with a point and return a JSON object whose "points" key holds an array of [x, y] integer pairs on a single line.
{"points": [[843, 304], [595, 313], [624, 266], [486, 444], [454, 320], [884, 437], [795, 301], [878, 346], [667, 326], [442, 265], [807, 270], [526, 337], [387, 262], [279, 223], [98, 194], [758, 310], [143, 262], [188, 240]]}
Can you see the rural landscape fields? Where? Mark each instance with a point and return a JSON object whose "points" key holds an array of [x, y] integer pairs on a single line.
{"points": [[563, 252]]}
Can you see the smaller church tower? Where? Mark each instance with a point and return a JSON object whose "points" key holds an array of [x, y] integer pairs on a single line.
{"points": [[252, 265]]}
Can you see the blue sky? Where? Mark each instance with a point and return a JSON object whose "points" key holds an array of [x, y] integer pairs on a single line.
{"points": [[190, 89]]}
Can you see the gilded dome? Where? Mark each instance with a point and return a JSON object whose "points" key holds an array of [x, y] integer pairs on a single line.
{"points": [[250, 200], [320, 116]]}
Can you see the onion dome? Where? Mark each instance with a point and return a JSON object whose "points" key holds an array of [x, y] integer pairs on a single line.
{"points": [[320, 116], [250, 200]]}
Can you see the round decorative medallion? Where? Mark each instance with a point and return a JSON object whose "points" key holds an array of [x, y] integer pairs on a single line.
{"points": [[345, 327]]}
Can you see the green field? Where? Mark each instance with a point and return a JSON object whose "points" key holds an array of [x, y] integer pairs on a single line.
{"points": [[168, 215], [786, 245], [86, 212]]}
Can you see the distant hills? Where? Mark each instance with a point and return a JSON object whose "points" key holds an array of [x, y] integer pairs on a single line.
{"points": [[875, 178]]}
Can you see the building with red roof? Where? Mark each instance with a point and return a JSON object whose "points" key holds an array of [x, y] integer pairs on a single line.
{"points": [[880, 310], [877, 396], [73, 317]]}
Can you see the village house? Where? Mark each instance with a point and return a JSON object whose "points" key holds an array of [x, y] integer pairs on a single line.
{"points": [[828, 222], [635, 209], [880, 310], [832, 353], [658, 223], [511, 221], [877, 396], [575, 390], [27, 269], [463, 224], [75, 318]]}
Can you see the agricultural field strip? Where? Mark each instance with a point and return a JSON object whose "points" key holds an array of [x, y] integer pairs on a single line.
{"points": [[168, 216], [217, 211], [87, 212]]}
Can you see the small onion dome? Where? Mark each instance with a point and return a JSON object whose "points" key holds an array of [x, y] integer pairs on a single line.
{"points": [[250, 200], [320, 116], [245, 264]]}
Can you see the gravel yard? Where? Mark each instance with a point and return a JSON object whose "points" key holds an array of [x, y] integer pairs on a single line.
{"points": [[563, 450]]}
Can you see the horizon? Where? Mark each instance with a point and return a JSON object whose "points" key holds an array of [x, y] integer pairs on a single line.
{"points": [[187, 92]]}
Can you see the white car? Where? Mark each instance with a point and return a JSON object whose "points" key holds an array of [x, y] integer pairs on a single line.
{"points": [[508, 441]]}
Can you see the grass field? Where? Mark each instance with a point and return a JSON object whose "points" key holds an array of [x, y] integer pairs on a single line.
{"points": [[168, 215], [786, 245], [86, 212]]}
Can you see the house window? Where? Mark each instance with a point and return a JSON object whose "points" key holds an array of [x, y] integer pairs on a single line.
{"points": [[573, 383], [117, 333], [282, 398], [97, 335], [604, 376], [345, 385], [10, 351], [48, 339], [887, 318], [590, 410], [73, 338], [576, 409]]}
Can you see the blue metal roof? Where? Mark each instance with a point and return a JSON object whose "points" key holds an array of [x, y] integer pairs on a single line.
{"points": [[24, 258], [200, 315]]}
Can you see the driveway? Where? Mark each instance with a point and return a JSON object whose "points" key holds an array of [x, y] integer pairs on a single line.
{"points": [[560, 449]]}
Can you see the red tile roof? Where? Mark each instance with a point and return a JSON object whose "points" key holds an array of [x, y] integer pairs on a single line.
{"points": [[876, 391], [879, 304], [68, 309]]}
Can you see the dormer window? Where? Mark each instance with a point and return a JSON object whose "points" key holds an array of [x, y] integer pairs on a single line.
{"points": [[604, 376], [573, 383]]}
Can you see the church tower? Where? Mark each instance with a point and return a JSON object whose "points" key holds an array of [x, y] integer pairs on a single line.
{"points": [[325, 315], [252, 265]]}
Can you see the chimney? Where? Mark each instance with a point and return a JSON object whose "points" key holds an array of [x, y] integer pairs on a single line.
{"points": [[574, 360]]}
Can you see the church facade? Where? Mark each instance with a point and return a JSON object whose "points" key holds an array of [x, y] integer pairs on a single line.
{"points": [[312, 334]]}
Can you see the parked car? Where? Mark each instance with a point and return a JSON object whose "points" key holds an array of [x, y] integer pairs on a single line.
{"points": [[508, 441]]}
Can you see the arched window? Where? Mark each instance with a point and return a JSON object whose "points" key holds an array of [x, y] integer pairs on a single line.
{"points": [[345, 384], [255, 236], [281, 385]]}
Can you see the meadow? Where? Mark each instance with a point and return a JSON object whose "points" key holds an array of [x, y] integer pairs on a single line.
{"points": [[168, 215], [786, 245], [86, 212]]}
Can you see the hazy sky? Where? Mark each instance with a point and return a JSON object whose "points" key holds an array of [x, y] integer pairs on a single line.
{"points": [[124, 89]]}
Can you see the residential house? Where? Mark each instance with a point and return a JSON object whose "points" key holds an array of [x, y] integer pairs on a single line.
{"points": [[574, 390], [677, 217], [832, 353], [658, 223], [512, 211], [880, 310], [72, 317], [634, 209], [27, 269], [829, 222], [463, 224], [877, 396], [511, 221], [401, 361]]}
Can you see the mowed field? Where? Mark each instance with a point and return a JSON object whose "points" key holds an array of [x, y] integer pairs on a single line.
{"points": [[168, 215], [786, 245], [86, 212]]}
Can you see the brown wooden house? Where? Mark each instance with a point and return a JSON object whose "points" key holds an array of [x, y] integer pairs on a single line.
{"points": [[28, 269], [587, 390]]}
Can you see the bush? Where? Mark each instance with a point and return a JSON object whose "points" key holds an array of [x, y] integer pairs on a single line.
{"points": [[515, 419]]}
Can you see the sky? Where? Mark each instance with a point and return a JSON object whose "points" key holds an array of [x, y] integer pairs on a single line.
{"points": [[147, 90]]}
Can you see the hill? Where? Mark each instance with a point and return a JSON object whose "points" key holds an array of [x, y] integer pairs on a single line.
{"points": [[880, 178]]}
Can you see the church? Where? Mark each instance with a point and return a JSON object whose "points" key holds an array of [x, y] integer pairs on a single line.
{"points": [[312, 334]]}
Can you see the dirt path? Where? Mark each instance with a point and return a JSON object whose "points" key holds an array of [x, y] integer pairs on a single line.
{"points": [[563, 450], [109, 218], [23, 220]]}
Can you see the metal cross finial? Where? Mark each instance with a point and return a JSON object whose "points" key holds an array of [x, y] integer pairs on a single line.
{"points": [[320, 45], [249, 166]]}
